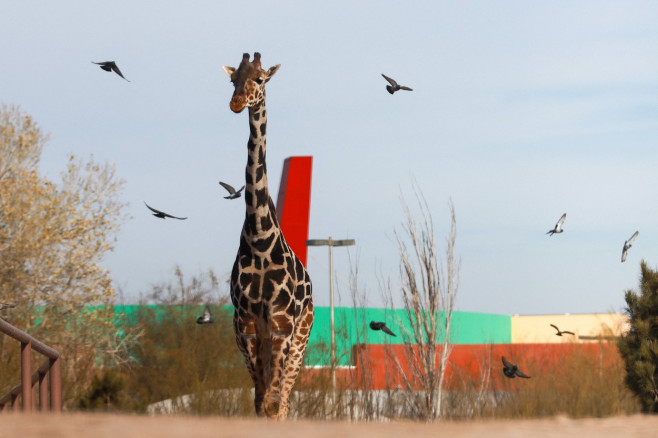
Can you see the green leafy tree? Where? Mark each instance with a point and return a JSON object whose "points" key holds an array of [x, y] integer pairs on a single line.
{"points": [[639, 347]]}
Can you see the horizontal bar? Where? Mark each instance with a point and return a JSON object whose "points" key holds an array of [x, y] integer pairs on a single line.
{"points": [[16, 390], [330, 242], [24, 338]]}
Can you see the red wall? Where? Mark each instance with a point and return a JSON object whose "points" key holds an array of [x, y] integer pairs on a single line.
{"points": [[294, 203]]}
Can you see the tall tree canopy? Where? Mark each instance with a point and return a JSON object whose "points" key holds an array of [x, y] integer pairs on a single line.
{"points": [[53, 237], [639, 347]]}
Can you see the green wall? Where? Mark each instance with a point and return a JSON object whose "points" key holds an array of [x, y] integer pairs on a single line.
{"points": [[467, 328]]}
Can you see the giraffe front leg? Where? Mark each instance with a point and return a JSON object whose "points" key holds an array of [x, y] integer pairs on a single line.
{"points": [[250, 346], [295, 357], [281, 340]]}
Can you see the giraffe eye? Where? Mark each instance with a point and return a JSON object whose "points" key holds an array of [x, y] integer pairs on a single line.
{"points": [[259, 81]]}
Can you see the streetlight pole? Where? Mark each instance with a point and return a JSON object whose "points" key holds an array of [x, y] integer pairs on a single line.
{"points": [[331, 243]]}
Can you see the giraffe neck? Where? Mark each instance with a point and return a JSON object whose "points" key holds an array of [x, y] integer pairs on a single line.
{"points": [[260, 216]]}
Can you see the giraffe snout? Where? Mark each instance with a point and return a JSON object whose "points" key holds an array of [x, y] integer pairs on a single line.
{"points": [[237, 104]]}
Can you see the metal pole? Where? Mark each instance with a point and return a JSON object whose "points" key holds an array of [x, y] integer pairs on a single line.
{"points": [[331, 319], [26, 376], [331, 243]]}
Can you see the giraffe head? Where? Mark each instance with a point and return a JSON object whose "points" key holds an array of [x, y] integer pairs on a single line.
{"points": [[249, 81]]}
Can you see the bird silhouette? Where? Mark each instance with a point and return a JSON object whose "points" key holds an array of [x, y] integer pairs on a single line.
{"points": [[233, 194], [627, 246], [558, 226], [110, 66], [162, 214], [560, 332], [206, 318], [381, 326], [394, 85], [4, 306], [510, 370]]}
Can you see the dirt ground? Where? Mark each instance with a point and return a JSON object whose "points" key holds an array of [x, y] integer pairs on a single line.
{"points": [[127, 426]]}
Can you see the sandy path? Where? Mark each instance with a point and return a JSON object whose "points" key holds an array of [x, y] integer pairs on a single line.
{"points": [[126, 426]]}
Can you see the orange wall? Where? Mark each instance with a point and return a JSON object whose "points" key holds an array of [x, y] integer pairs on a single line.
{"points": [[385, 366]]}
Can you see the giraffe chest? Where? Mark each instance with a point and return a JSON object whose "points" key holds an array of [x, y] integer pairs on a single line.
{"points": [[267, 283]]}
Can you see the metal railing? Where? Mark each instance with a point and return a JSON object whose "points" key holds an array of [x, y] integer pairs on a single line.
{"points": [[51, 367]]}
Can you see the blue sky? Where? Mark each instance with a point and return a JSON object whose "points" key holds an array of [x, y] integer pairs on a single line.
{"points": [[521, 111]]}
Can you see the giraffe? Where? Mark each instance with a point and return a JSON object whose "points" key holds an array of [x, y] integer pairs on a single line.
{"points": [[270, 288]]}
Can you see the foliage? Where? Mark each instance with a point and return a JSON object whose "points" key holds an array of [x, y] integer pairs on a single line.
{"points": [[52, 239], [179, 358], [639, 347], [105, 392]]}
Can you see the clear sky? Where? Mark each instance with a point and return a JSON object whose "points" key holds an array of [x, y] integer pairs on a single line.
{"points": [[521, 111]]}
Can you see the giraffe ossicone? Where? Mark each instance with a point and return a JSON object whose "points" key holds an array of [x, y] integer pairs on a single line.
{"points": [[270, 288]]}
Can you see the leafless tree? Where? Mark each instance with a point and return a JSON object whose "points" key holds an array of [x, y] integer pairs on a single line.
{"points": [[429, 288]]}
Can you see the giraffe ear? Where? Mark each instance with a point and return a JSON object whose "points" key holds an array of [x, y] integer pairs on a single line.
{"points": [[229, 70], [270, 72]]}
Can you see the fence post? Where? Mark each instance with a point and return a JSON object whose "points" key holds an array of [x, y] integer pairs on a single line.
{"points": [[26, 375], [43, 392], [56, 384]]}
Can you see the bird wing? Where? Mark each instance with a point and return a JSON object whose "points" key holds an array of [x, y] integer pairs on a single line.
{"points": [[507, 363], [569, 333], [174, 217], [390, 81], [153, 209], [561, 220], [555, 327], [522, 374], [406, 88], [206, 313], [241, 189], [387, 330], [623, 254], [632, 238], [228, 187], [117, 71]]}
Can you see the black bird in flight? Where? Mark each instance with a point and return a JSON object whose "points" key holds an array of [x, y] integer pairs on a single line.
{"points": [[394, 85], [627, 246], [110, 66], [233, 194], [206, 318], [558, 226], [560, 332], [162, 214], [381, 326], [510, 370]]}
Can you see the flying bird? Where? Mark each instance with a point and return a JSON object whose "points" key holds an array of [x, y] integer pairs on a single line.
{"points": [[110, 66], [381, 326], [627, 246], [558, 226], [233, 194], [4, 306], [162, 214], [394, 85], [560, 332], [510, 370], [206, 318]]}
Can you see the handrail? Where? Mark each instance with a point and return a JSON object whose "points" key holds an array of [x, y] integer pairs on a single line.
{"points": [[50, 367]]}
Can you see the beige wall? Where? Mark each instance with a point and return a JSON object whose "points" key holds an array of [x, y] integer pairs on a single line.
{"points": [[537, 329]]}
